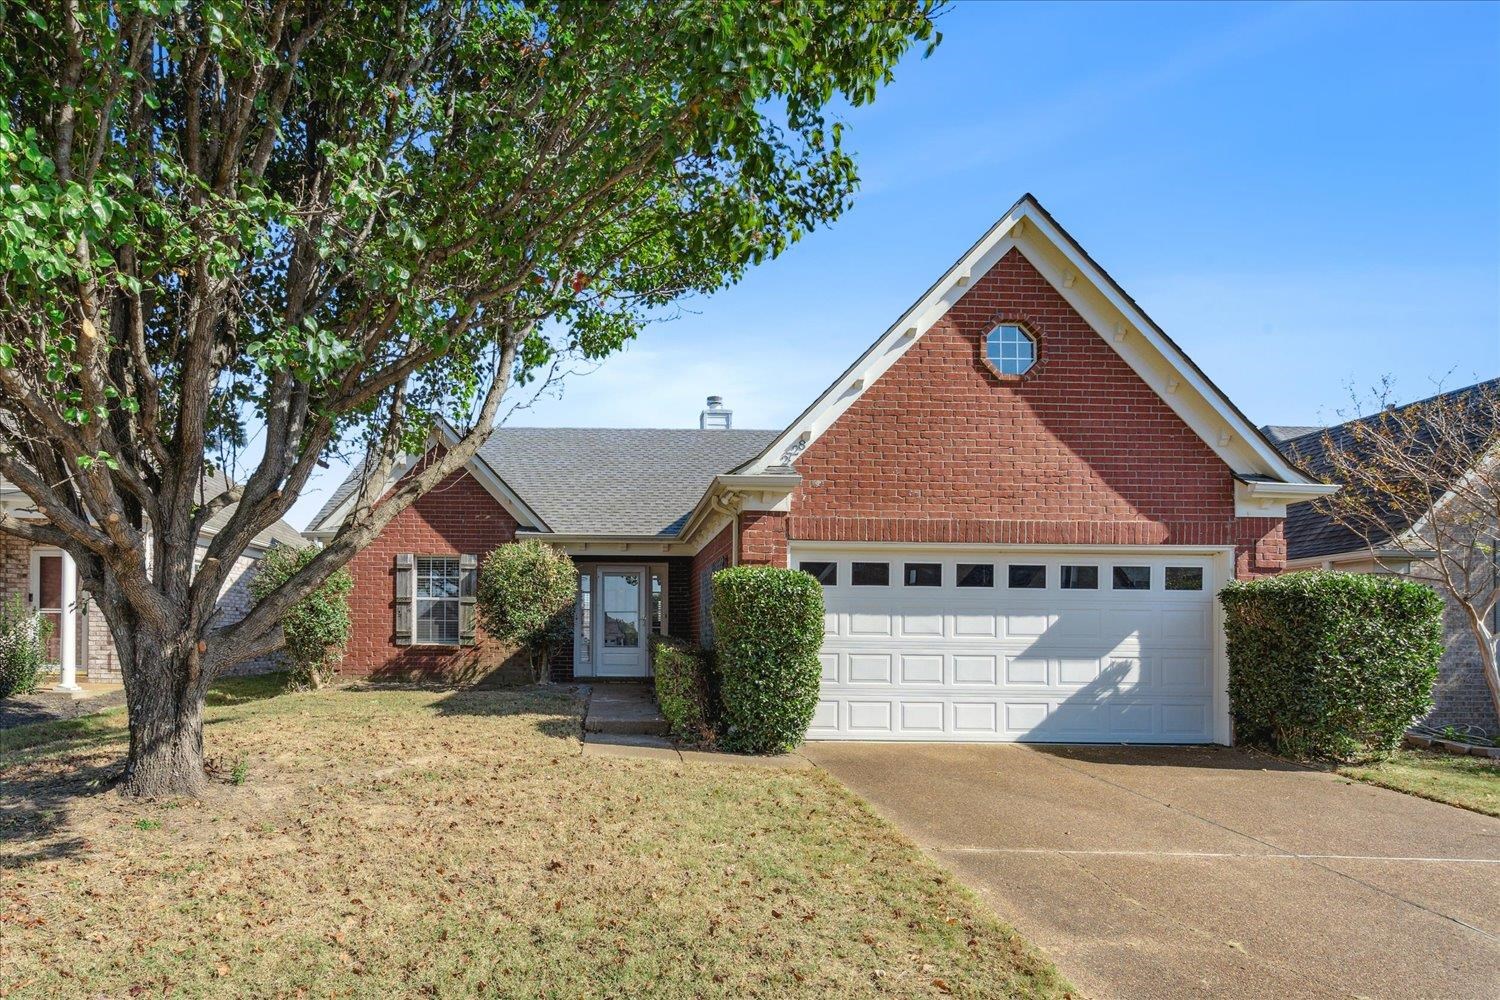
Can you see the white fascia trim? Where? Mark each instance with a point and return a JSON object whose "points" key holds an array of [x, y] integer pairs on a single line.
{"points": [[1262, 499], [476, 467], [1381, 555], [1027, 227], [581, 545], [1002, 547], [751, 491], [888, 349]]}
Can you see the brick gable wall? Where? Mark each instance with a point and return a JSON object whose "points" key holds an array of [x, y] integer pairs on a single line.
{"points": [[457, 517], [1078, 451]]}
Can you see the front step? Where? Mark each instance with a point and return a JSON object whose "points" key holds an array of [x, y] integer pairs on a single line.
{"points": [[623, 710]]}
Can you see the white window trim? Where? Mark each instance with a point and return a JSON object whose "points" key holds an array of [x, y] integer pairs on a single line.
{"points": [[417, 599]]}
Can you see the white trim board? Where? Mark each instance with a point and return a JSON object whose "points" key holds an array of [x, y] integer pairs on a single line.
{"points": [[1096, 298]]}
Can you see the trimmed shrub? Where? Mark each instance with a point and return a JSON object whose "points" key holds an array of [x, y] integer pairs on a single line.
{"points": [[316, 628], [525, 596], [1330, 665], [23, 647], [682, 688], [768, 627]]}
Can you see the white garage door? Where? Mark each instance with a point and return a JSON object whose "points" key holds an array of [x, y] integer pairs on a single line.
{"points": [[926, 643]]}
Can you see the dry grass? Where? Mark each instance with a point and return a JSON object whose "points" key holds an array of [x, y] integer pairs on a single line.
{"points": [[1466, 782], [414, 842]]}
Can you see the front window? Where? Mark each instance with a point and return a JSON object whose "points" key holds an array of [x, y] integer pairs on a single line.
{"points": [[585, 617], [437, 600], [1010, 349], [658, 604]]}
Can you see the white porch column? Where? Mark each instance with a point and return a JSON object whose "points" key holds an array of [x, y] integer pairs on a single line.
{"points": [[67, 632]]}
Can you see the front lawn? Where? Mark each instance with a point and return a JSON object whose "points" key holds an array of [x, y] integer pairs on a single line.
{"points": [[416, 842], [1469, 782]]}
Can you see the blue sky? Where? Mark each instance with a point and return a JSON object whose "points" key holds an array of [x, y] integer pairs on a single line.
{"points": [[1305, 197]]}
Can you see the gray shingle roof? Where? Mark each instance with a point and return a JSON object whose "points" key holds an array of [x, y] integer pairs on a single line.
{"points": [[281, 533], [605, 480], [1310, 530], [1281, 433], [615, 481]]}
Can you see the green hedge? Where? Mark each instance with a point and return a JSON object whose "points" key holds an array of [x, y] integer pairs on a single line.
{"points": [[316, 628], [1330, 665], [768, 627], [682, 688], [23, 647]]}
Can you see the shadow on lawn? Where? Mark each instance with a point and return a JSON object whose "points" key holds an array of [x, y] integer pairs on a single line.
{"points": [[38, 797], [49, 767], [561, 708]]}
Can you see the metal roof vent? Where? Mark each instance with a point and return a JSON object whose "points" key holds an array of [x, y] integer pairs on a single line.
{"points": [[715, 416]]}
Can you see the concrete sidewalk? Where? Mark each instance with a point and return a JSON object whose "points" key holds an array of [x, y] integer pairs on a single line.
{"points": [[1202, 872]]}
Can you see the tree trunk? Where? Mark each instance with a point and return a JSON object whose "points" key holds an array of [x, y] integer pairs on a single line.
{"points": [[1487, 658], [165, 704]]}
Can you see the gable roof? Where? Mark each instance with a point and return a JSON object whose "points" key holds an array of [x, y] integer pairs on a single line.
{"points": [[616, 481], [1089, 289], [601, 480], [1310, 531]]}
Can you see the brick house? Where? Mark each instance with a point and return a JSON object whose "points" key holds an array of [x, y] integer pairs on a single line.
{"points": [[1316, 541], [1020, 500], [45, 579]]}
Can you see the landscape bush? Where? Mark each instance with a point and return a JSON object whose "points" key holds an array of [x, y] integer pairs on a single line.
{"points": [[682, 688], [23, 647], [525, 596], [768, 628], [316, 628], [1327, 665]]}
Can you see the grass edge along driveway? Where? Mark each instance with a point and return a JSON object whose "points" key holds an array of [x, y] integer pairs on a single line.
{"points": [[401, 841], [1467, 782]]}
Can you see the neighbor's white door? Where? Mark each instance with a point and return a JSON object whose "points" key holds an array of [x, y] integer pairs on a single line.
{"points": [[938, 644], [621, 625]]}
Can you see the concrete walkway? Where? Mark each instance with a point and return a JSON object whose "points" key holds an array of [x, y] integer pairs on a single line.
{"points": [[623, 720], [1202, 872], [623, 710]]}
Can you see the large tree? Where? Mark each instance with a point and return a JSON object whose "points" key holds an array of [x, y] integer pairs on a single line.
{"points": [[276, 229]]}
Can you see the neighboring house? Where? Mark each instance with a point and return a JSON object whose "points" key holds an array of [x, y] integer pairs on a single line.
{"points": [[1315, 540], [1021, 501], [47, 580]]}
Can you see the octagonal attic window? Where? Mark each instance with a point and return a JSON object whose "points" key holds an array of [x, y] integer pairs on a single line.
{"points": [[1010, 349]]}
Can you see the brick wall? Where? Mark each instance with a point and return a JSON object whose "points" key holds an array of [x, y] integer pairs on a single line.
{"points": [[717, 551], [1078, 451], [1461, 697], [457, 517], [763, 538]]}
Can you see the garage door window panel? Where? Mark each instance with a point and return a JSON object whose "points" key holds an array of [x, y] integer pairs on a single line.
{"points": [[1027, 577], [976, 575], [1132, 577], [923, 574], [1080, 578], [870, 574], [1184, 578], [826, 573]]}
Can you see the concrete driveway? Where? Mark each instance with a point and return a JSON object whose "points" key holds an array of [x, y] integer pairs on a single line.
{"points": [[1193, 872]]}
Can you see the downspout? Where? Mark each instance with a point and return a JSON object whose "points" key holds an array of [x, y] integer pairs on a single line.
{"points": [[730, 504]]}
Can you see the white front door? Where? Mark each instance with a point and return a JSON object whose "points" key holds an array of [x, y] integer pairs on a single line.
{"points": [[931, 643], [621, 624]]}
